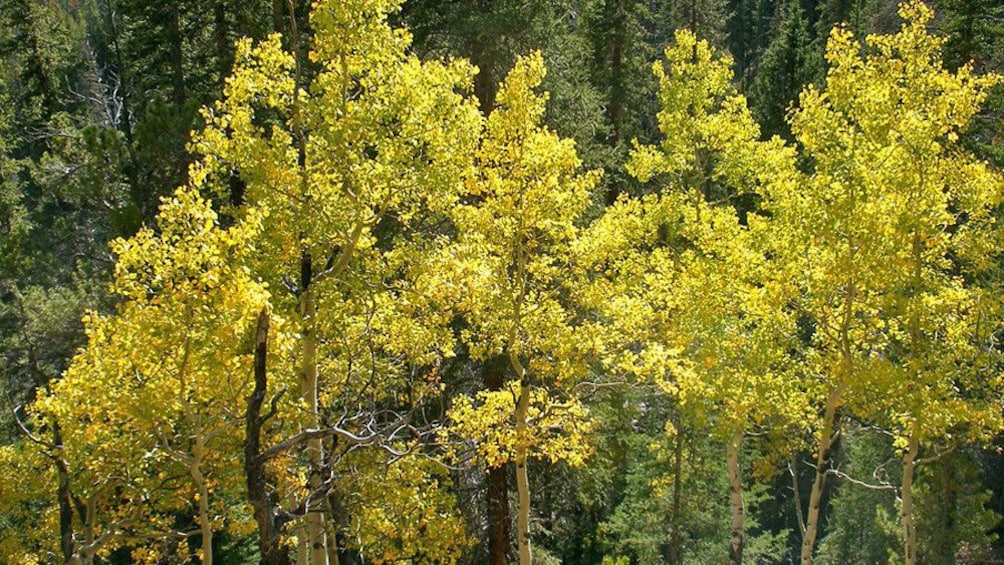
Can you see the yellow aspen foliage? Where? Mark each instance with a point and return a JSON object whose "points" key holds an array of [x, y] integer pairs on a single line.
{"points": [[556, 431], [506, 273], [27, 504], [337, 178], [883, 242], [401, 509], [146, 409], [679, 278], [704, 248], [506, 270], [348, 167]]}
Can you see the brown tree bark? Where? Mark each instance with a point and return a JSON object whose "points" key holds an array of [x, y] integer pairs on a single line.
{"points": [[66, 544], [221, 33], [278, 24], [493, 373], [262, 498], [177, 55]]}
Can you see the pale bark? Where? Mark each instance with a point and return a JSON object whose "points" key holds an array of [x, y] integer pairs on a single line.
{"points": [[737, 536], [302, 546], [675, 556], [195, 458], [84, 555], [909, 525], [816, 496], [910, 457], [522, 408], [87, 556], [205, 520], [522, 479], [315, 531], [826, 435]]}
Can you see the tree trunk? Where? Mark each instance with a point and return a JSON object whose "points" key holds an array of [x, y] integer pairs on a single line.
{"points": [[90, 515], [949, 504], [221, 34], [675, 556], [493, 373], [278, 25], [485, 88], [262, 498], [617, 21], [205, 521], [302, 545], [485, 82], [816, 496], [177, 60], [316, 538], [66, 544], [331, 525], [909, 526], [522, 479], [315, 448], [736, 537]]}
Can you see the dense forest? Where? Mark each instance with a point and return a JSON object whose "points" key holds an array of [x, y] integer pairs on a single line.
{"points": [[501, 281]]}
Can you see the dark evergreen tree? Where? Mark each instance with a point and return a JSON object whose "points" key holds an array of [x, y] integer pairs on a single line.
{"points": [[791, 61], [862, 525], [748, 32]]}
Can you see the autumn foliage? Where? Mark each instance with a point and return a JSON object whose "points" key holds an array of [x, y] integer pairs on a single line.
{"points": [[356, 203]]}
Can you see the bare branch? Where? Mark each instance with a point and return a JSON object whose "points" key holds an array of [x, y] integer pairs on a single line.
{"points": [[27, 432], [860, 483]]}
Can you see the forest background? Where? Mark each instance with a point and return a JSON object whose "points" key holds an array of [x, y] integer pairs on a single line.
{"points": [[393, 314]]}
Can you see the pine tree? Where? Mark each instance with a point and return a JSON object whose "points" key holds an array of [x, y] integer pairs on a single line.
{"points": [[790, 62]]}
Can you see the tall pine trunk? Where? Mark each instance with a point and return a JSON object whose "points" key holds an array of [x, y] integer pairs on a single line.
{"points": [[493, 371], [278, 25], [221, 35], [176, 55]]}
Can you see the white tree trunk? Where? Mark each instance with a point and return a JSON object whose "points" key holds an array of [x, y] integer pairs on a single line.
{"points": [[815, 498], [909, 525], [522, 479], [737, 536]]}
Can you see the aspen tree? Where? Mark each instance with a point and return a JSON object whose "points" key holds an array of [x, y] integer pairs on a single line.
{"points": [[690, 309], [143, 409], [507, 271], [884, 238], [335, 179], [373, 146]]}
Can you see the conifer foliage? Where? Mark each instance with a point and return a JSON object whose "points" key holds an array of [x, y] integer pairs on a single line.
{"points": [[806, 293]]}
